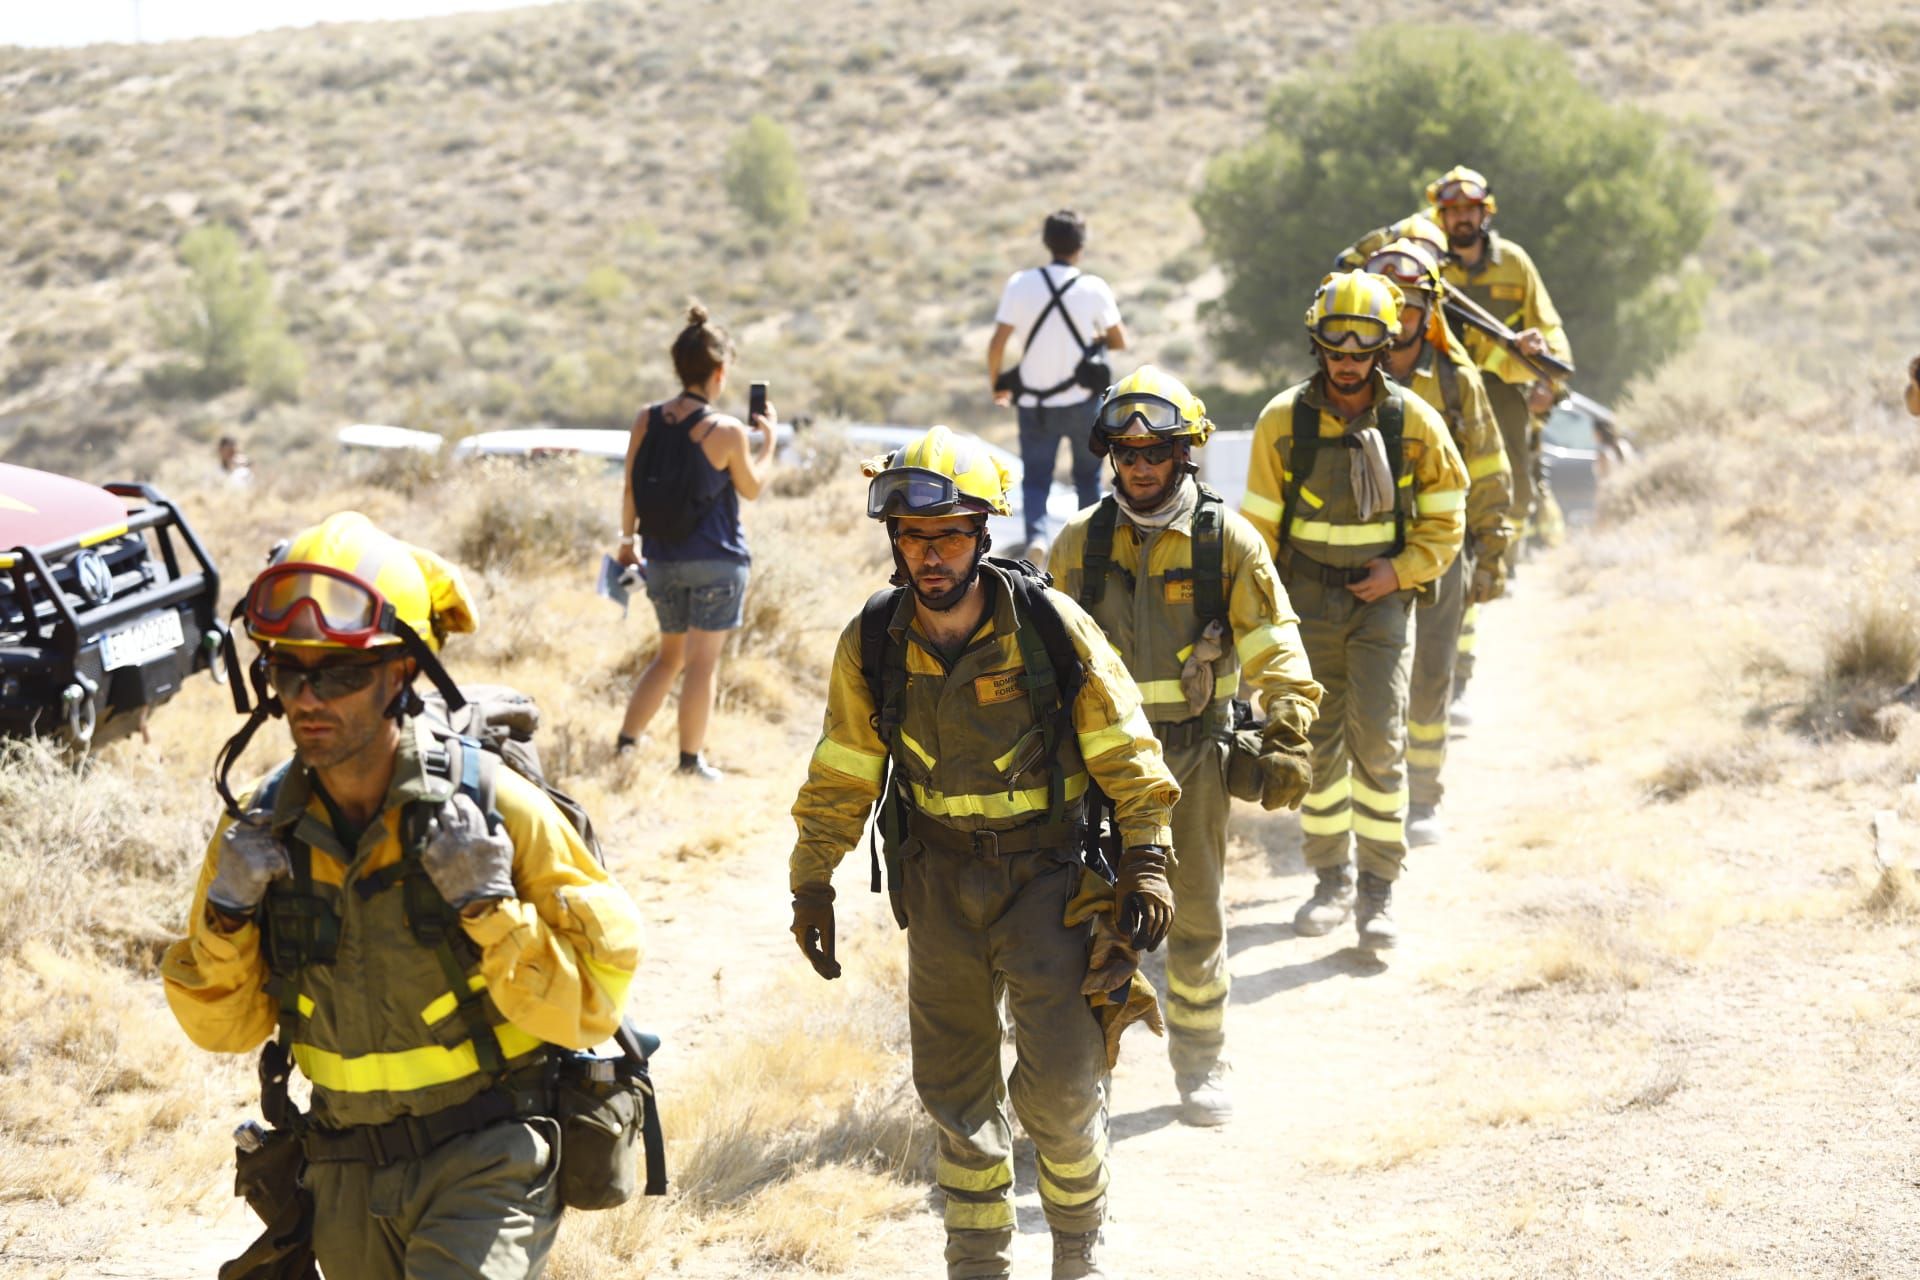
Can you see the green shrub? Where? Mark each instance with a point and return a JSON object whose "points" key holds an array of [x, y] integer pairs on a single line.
{"points": [[762, 175], [227, 323], [1608, 209]]}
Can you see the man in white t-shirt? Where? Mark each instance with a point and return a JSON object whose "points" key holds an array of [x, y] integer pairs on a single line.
{"points": [[1054, 403]]}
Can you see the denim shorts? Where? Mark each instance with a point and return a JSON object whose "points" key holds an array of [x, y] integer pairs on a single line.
{"points": [[706, 595]]}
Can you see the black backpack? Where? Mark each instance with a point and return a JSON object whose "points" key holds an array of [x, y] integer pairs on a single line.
{"points": [[672, 485]]}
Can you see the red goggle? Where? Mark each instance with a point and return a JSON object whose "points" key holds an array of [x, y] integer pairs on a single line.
{"points": [[1460, 191], [317, 602]]}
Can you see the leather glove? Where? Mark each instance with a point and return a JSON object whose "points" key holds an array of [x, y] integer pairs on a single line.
{"points": [[1489, 583], [1144, 897], [466, 861], [1286, 775], [251, 858], [813, 927], [1111, 963]]}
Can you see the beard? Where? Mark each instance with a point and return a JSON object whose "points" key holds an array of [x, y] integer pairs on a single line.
{"points": [[1151, 502], [1458, 240]]}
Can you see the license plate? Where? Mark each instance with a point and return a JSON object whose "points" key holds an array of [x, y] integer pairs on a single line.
{"points": [[154, 636]]}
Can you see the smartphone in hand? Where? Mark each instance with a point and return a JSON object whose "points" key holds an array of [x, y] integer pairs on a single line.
{"points": [[757, 401]]}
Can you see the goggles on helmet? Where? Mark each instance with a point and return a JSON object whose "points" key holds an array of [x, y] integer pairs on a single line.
{"points": [[1160, 416], [1403, 269], [1360, 333], [317, 602], [911, 491], [1460, 191]]}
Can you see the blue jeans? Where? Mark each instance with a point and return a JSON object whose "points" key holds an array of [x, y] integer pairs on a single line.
{"points": [[706, 595], [1042, 428]]}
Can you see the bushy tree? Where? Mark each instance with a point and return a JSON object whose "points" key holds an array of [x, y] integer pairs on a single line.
{"points": [[227, 323], [762, 175], [1608, 209]]}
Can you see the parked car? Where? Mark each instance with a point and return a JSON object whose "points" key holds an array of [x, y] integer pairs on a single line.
{"points": [[108, 603], [1579, 445]]}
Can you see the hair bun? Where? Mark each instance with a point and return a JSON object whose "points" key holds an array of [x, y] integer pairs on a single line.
{"points": [[696, 316]]}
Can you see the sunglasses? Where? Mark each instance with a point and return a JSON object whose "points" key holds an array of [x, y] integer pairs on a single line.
{"points": [[951, 546], [329, 680], [1342, 357], [1151, 455]]}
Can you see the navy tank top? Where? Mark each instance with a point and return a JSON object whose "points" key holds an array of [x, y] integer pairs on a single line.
{"points": [[718, 535]]}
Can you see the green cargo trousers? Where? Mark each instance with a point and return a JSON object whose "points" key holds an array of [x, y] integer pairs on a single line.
{"points": [[483, 1206], [1362, 655], [1510, 411], [978, 927], [1469, 641], [1436, 653], [1197, 978]]}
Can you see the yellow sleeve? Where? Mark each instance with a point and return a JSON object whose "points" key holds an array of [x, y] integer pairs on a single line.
{"points": [[1543, 315], [1438, 524], [1066, 558], [844, 777], [559, 956], [216, 983], [1115, 740], [1263, 502], [1266, 630], [1489, 474]]}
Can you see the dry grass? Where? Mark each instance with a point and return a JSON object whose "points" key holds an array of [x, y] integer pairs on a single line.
{"points": [[1750, 763]]}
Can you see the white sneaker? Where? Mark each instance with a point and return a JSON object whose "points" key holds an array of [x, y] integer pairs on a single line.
{"points": [[1424, 825]]}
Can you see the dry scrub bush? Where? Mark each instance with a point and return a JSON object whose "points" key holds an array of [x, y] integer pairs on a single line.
{"points": [[1871, 653], [1750, 763], [1895, 894], [532, 517]]}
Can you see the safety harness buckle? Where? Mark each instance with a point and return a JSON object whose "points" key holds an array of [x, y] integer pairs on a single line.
{"points": [[984, 843]]}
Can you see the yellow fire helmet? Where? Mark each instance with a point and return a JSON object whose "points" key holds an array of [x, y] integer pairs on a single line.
{"points": [[942, 473], [1412, 266], [1421, 229], [346, 584], [1150, 403], [1355, 311], [1461, 185]]}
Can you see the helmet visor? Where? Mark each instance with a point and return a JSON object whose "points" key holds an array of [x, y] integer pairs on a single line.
{"points": [[1157, 414], [910, 491], [1403, 269], [1460, 191], [1357, 333], [315, 603]]}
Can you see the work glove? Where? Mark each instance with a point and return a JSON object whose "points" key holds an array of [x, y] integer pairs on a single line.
{"points": [[1196, 673], [467, 861], [1286, 775], [813, 927], [1144, 897], [251, 858], [1489, 583]]}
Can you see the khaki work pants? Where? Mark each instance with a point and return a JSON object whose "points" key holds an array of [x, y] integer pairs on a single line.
{"points": [[1362, 655], [978, 927], [483, 1206], [1516, 433], [1469, 641], [1197, 978], [1436, 652]]}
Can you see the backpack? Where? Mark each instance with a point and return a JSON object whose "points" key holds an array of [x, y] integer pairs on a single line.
{"points": [[1209, 556], [1055, 676], [1093, 371], [672, 491]]}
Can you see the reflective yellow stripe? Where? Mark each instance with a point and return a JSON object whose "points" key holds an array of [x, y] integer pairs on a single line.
{"points": [[1406, 481], [961, 1178], [1468, 639], [1384, 801], [99, 536], [1208, 1019], [1438, 500], [1225, 685], [916, 748], [1344, 535], [1184, 654], [1260, 507], [1491, 464], [1341, 788], [1392, 831], [1326, 824], [407, 1069], [1207, 993], [1262, 639], [1422, 731], [966, 1215], [1313, 499], [1076, 1169], [855, 764], [998, 805], [1471, 618], [1426, 757], [1096, 744], [445, 1003], [1054, 1193], [306, 1005]]}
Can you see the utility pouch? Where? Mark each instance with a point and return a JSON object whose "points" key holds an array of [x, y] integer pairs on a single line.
{"points": [[267, 1175], [598, 1104], [1093, 372], [1245, 780]]}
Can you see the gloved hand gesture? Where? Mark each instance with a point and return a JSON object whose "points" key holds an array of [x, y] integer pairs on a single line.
{"points": [[1144, 897], [813, 927], [1489, 582], [251, 858], [467, 861]]}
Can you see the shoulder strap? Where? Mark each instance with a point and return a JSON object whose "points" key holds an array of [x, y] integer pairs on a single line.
{"points": [[883, 665], [1097, 559], [1391, 419], [1055, 303], [1209, 557], [1302, 440], [1053, 678]]}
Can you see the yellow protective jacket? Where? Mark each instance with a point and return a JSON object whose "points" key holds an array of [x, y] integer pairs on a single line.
{"points": [[1149, 615], [1326, 525], [962, 751], [1507, 284], [1445, 377], [377, 1031]]}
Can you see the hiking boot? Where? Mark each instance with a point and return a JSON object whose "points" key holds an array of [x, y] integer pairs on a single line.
{"points": [[1374, 916], [1073, 1257], [1204, 1100], [1330, 905], [697, 767], [1424, 825]]}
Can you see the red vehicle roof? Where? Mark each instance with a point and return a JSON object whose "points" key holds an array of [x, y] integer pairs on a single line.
{"points": [[40, 509]]}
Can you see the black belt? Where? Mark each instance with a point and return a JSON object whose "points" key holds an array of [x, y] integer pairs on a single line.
{"points": [[937, 835], [1179, 735], [1328, 574], [413, 1137]]}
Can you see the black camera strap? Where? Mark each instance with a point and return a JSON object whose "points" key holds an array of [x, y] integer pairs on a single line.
{"points": [[1055, 303]]}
